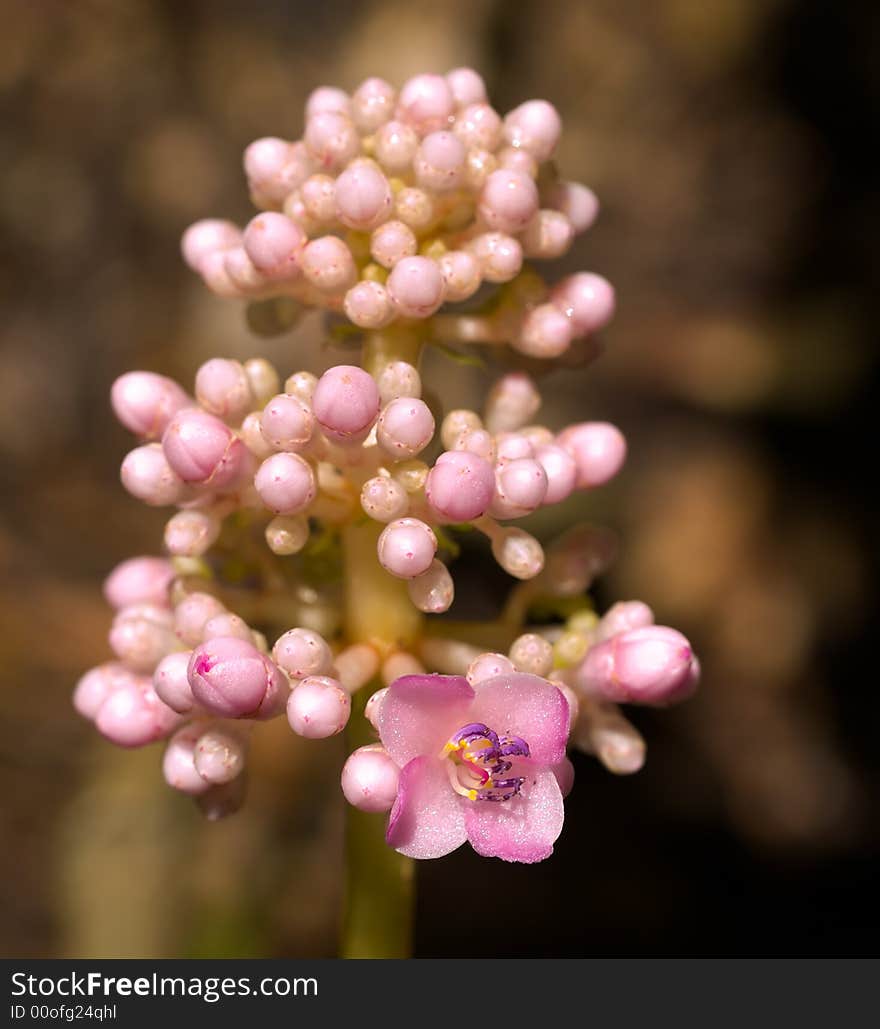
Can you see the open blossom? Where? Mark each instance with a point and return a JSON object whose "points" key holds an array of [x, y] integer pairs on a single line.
{"points": [[476, 764]]}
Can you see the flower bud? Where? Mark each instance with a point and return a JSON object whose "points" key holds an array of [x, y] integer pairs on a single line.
{"points": [[512, 402], [520, 488], [328, 265], [460, 486], [623, 616], [500, 256], [577, 557], [533, 654], [546, 332], [576, 202], [287, 423], [439, 162], [426, 103], [372, 104], [327, 98], [587, 300], [133, 715], [231, 678], [346, 403], [139, 580], [178, 761], [415, 208], [190, 533], [462, 274], [287, 534], [398, 379], [547, 236], [391, 242], [363, 198], [432, 591], [286, 483], [223, 389], [368, 305], [202, 449], [331, 139], [416, 287], [302, 652], [96, 686], [141, 635], [488, 666], [508, 201], [144, 402], [478, 126], [192, 614], [518, 553], [373, 706], [384, 499], [534, 126], [219, 755], [147, 475], [457, 422], [651, 665], [318, 707], [369, 779], [405, 427], [171, 683], [467, 86], [407, 547], [274, 243], [599, 450], [207, 237], [561, 471], [395, 146], [227, 624]]}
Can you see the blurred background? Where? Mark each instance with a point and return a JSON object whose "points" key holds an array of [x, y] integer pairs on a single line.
{"points": [[728, 143]]}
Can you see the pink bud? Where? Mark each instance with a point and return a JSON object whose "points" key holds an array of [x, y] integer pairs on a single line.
{"points": [[302, 386], [513, 446], [561, 470], [327, 98], [478, 126], [488, 666], [651, 665], [546, 332], [587, 299], [374, 705], [243, 273], [533, 654], [433, 591], [331, 139], [520, 487], [208, 237], [192, 532], [407, 547], [318, 707], [368, 305], [405, 427], [439, 162], [427, 103], [302, 652], [202, 449], [623, 616], [133, 715], [517, 160], [518, 553], [216, 277], [576, 202], [455, 423], [416, 287], [577, 557], [223, 389], [500, 256], [96, 686], [479, 166], [178, 761], [460, 486], [171, 683], [369, 779], [508, 201], [141, 635], [372, 104], [462, 274], [274, 243], [274, 168], [395, 146], [599, 449], [384, 499], [231, 678], [363, 197], [318, 195], [391, 242], [139, 580], [534, 126], [479, 442], [192, 614], [328, 264], [227, 624], [219, 755], [287, 423], [346, 403], [145, 402], [286, 483], [467, 86], [548, 235], [512, 401], [147, 475]]}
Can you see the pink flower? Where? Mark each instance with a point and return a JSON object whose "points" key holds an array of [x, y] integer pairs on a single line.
{"points": [[476, 763]]}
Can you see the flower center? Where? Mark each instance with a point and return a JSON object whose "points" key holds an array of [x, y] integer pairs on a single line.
{"points": [[478, 763]]}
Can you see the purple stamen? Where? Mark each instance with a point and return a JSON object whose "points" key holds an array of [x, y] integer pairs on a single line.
{"points": [[481, 753]]}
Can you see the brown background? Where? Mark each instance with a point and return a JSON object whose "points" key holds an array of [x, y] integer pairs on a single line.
{"points": [[727, 141]]}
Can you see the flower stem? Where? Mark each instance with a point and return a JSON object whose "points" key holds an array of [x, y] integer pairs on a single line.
{"points": [[379, 885]]}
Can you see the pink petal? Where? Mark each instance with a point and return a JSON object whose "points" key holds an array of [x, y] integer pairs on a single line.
{"points": [[526, 706], [564, 773], [420, 712], [523, 828], [427, 820]]}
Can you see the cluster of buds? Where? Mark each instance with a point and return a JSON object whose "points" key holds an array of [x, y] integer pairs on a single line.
{"points": [[390, 207]]}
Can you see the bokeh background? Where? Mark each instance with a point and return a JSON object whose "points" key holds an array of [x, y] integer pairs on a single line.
{"points": [[728, 141]]}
